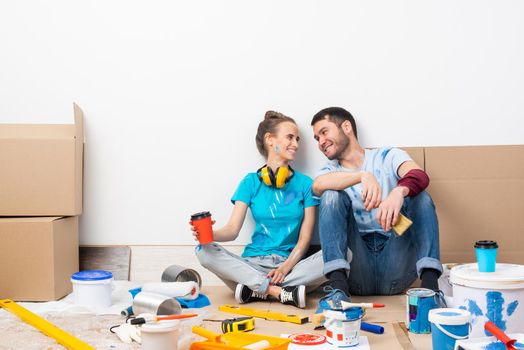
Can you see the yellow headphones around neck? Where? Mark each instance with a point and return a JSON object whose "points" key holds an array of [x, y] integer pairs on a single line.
{"points": [[277, 179]]}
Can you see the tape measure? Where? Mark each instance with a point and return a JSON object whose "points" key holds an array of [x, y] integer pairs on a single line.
{"points": [[240, 324]]}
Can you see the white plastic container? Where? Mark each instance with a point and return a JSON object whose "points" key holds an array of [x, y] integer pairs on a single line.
{"points": [[92, 288], [160, 336], [495, 296]]}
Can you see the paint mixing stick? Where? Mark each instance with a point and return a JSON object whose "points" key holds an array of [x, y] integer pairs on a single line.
{"points": [[347, 305]]}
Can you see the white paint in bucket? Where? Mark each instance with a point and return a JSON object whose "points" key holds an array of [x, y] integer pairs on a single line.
{"points": [[92, 288], [495, 296], [160, 336]]}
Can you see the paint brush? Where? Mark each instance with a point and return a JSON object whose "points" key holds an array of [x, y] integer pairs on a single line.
{"points": [[346, 305]]}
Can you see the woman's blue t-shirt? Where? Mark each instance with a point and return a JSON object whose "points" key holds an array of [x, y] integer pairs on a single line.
{"points": [[278, 213]]}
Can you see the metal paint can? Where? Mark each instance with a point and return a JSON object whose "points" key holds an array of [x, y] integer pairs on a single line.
{"points": [[419, 302], [156, 304], [177, 273]]}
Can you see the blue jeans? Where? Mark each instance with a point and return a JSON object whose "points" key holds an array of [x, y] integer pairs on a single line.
{"points": [[381, 265]]}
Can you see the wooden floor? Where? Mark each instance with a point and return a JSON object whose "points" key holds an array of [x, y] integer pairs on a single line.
{"points": [[94, 329]]}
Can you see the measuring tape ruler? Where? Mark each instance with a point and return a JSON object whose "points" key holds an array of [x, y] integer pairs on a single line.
{"points": [[44, 326], [269, 315]]}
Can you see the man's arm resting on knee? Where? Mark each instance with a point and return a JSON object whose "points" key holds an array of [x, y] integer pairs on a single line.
{"points": [[338, 181], [413, 179]]}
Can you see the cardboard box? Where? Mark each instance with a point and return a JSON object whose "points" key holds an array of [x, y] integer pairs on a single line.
{"points": [[42, 168], [478, 192], [37, 257]]}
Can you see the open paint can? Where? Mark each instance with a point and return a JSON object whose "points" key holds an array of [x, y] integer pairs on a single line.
{"points": [[177, 273], [490, 296], [156, 304], [343, 327], [447, 326], [419, 302]]}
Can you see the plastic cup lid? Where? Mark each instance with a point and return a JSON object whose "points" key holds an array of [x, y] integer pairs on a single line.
{"points": [[92, 275], [307, 339], [160, 327], [201, 215], [506, 276], [449, 316], [486, 244]]}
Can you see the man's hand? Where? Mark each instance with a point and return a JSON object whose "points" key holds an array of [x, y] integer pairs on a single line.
{"points": [[388, 211], [371, 191]]}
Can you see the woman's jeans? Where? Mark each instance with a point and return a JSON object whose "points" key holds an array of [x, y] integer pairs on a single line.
{"points": [[252, 271], [383, 264]]}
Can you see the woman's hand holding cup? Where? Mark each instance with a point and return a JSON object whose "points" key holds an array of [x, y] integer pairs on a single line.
{"points": [[202, 227]]}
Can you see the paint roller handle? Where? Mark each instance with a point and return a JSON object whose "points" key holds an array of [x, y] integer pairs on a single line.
{"points": [[498, 333], [373, 328]]}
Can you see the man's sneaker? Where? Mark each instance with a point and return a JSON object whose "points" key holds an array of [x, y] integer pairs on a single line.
{"points": [[295, 296], [332, 300], [245, 295]]}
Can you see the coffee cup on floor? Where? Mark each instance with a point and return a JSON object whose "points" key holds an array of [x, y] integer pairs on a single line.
{"points": [[203, 225], [486, 252]]}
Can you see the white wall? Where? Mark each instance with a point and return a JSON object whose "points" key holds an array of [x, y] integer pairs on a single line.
{"points": [[173, 91]]}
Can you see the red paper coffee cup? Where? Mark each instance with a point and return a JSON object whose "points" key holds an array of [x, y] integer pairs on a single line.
{"points": [[202, 222]]}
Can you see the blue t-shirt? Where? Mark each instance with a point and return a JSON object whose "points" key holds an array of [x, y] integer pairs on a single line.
{"points": [[278, 213], [383, 163]]}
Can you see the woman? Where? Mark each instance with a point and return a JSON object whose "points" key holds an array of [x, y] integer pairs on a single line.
{"points": [[283, 208]]}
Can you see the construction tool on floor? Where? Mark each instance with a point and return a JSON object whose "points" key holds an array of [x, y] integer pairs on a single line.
{"points": [[44, 326], [346, 305], [239, 324], [237, 340], [268, 315]]}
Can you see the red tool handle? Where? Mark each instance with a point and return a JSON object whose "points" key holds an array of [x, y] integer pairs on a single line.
{"points": [[499, 334]]}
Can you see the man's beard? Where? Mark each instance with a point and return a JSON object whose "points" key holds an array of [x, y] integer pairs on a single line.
{"points": [[342, 145]]}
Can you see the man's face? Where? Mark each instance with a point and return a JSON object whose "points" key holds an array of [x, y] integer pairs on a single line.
{"points": [[331, 139]]}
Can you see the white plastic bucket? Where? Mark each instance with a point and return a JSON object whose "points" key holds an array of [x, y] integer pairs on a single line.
{"points": [[495, 296], [160, 336], [447, 326], [92, 288]]}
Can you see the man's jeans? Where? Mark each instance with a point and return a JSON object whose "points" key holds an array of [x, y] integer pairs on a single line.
{"points": [[381, 265]]}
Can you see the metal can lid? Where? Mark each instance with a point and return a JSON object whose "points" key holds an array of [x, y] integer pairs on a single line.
{"points": [[201, 215], [92, 275], [307, 339], [420, 292]]}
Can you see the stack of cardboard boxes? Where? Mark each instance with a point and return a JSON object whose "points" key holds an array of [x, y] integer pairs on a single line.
{"points": [[41, 168]]}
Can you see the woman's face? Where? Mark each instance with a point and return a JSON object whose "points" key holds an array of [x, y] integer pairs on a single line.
{"points": [[284, 144]]}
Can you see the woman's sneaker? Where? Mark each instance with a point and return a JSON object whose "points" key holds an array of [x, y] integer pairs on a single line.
{"points": [[295, 296], [243, 294]]}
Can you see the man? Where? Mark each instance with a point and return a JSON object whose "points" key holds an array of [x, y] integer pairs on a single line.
{"points": [[362, 193]]}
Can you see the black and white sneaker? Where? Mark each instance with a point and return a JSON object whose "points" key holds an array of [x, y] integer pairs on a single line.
{"points": [[295, 296], [245, 295]]}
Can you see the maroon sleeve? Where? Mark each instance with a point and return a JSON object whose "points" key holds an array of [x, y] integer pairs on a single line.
{"points": [[416, 180]]}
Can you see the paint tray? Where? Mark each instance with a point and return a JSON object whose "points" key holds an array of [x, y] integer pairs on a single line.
{"points": [[235, 340], [482, 343]]}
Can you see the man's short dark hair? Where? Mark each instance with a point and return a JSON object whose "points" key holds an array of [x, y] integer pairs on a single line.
{"points": [[336, 115]]}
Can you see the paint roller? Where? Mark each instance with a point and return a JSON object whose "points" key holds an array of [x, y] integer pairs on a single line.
{"points": [[186, 290]]}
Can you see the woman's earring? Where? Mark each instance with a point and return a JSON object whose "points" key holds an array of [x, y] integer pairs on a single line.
{"points": [[277, 148]]}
